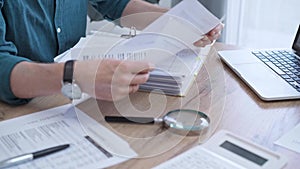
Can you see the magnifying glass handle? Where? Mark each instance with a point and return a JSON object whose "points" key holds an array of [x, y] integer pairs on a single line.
{"points": [[137, 120]]}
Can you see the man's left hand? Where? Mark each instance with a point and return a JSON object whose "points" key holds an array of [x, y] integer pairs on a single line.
{"points": [[210, 37]]}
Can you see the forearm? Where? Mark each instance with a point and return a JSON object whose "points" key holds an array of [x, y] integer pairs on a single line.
{"points": [[106, 79], [139, 13], [29, 80]]}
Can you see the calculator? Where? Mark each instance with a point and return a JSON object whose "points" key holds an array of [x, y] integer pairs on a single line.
{"points": [[226, 150]]}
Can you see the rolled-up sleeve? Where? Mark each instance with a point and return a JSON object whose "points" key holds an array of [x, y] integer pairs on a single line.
{"points": [[110, 9], [8, 59]]}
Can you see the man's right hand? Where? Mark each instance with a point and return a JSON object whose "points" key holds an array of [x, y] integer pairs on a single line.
{"points": [[111, 79]]}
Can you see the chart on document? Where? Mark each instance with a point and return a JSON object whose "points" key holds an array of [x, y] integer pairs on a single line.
{"points": [[40, 133]]}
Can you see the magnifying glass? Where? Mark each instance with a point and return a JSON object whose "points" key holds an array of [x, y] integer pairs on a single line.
{"points": [[180, 121]]}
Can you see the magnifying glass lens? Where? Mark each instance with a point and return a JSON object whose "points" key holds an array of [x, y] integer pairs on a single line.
{"points": [[181, 121], [185, 119]]}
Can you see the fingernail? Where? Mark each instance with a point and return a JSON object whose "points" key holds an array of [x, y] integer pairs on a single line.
{"points": [[205, 38], [198, 43], [152, 65]]}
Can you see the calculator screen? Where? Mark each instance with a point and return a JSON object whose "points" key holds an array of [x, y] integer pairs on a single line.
{"points": [[244, 153]]}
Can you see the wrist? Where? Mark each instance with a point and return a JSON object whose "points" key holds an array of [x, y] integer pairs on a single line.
{"points": [[85, 73], [70, 88]]}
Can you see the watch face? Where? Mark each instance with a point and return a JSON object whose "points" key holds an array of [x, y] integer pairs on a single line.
{"points": [[71, 91]]}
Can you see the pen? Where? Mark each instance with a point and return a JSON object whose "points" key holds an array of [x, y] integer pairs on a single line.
{"points": [[31, 156]]}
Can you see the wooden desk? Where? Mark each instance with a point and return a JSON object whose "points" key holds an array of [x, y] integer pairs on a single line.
{"points": [[230, 104]]}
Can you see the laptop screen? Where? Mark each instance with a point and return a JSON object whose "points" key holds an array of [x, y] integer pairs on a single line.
{"points": [[296, 44]]}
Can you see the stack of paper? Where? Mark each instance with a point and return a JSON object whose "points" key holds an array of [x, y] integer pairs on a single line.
{"points": [[175, 75], [174, 72], [167, 43]]}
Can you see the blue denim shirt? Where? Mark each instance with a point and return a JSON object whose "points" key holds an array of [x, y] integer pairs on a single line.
{"points": [[39, 30]]}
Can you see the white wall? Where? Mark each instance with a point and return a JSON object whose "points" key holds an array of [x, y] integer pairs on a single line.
{"points": [[263, 23]]}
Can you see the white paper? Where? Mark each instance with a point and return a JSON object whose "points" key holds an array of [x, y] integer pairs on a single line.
{"points": [[167, 43], [198, 158], [291, 140], [178, 68], [174, 31], [58, 126], [187, 22]]}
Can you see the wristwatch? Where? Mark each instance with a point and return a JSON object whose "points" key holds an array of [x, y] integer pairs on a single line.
{"points": [[69, 88]]}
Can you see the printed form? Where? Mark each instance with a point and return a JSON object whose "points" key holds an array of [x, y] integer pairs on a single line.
{"points": [[91, 146], [291, 140]]}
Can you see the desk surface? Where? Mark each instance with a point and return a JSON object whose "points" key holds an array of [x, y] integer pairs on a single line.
{"points": [[230, 104]]}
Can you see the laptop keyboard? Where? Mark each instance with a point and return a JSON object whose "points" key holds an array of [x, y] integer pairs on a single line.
{"points": [[284, 63]]}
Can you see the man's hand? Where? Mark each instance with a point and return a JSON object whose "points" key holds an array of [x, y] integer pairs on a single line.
{"points": [[111, 79], [210, 36]]}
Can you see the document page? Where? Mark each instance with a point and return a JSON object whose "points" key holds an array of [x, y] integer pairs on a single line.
{"points": [[168, 35], [167, 43], [291, 140], [183, 25], [59, 126], [198, 158]]}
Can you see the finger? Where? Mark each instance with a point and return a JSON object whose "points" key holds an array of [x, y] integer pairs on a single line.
{"points": [[214, 37], [139, 67], [121, 92], [219, 27], [216, 30], [139, 79], [203, 42], [133, 88], [199, 43]]}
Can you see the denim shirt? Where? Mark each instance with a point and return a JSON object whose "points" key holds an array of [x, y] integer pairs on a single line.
{"points": [[39, 30]]}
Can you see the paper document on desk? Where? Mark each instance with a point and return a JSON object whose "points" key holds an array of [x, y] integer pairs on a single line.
{"points": [[226, 150], [291, 140], [173, 74], [167, 43], [98, 149], [184, 24]]}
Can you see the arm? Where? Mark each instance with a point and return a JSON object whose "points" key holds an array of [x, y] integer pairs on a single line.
{"points": [[8, 60], [139, 14], [102, 79], [29, 79], [121, 11], [21, 78]]}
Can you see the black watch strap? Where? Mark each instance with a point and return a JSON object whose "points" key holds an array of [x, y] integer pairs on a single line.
{"points": [[68, 71]]}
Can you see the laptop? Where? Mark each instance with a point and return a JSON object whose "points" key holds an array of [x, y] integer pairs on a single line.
{"points": [[272, 74]]}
